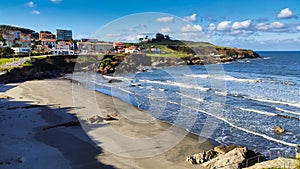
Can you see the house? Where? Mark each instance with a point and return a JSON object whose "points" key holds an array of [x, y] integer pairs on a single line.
{"points": [[16, 37], [62, 48], [119, 47], [131, 49], [22, 50], [90, 47], [47, 38]]}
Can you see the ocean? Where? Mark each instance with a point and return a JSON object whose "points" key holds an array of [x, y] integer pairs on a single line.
{"points": [[236, 103]]}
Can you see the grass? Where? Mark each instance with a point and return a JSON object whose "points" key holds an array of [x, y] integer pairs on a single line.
{"points": [[3, 61], [170, 55]]}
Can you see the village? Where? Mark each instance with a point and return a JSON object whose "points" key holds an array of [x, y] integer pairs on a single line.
{"points": [[61, 43]]}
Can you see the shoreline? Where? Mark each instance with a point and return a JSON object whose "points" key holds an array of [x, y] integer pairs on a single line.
{"points": [[55, 105]]}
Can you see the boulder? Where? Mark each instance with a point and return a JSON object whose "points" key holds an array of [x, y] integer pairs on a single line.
{"points": [[279, 130], [201, 157], [233, 159], [94, 119], [109, 118], [225, 149], [226, 157]]}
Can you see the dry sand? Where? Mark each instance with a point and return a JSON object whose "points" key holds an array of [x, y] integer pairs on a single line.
{"points": [[135, 140]]}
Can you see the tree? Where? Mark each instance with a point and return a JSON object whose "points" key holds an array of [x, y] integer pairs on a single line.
{"points": [[159, 37], [6, 52]]}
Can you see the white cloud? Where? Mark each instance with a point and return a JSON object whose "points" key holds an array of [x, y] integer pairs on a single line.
{"points": [[241, 25], [285, 13], [191, 18], [192, 28], [298, 28], [272, 26], [165, 19], [211, 27], [165, 30], [35, 12], [56, 1], [223, 25], [30, 4]]}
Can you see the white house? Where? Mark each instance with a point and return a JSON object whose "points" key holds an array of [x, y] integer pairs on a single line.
{"points": [[22, 50], [62, 48]]}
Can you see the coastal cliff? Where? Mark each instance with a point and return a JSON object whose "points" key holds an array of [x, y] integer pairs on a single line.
{"points": [[57, 66], [131, 63]]}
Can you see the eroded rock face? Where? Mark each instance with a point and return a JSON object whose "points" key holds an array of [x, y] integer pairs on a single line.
{"points": [[226, 157], [202, 157]]}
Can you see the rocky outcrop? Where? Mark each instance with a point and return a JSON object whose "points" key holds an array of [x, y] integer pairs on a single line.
{"points": [[224, 157], [50, 67], [201, 158], [129, 63]]}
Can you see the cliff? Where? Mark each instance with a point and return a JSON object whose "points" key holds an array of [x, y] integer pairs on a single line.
{"points": [[195, 55]]}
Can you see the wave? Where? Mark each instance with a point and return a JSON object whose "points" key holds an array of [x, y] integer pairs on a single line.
{"points": [[169, 83], [274, 102], [190, 97], [259, 112], [225, 78], [287, 111], [223, 119], [247, 130], [117, 78]]}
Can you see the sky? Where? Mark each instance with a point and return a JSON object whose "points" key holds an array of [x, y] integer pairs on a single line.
{"points": [[251, 24]]}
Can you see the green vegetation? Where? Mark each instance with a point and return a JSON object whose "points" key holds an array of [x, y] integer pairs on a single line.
{"points": [[6, 52], [3, 61]]}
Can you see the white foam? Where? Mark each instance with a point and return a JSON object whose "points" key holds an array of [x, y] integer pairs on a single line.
{"points": [[115, 77], [224, 78], [126, 91], [287, 111], [169, 83], [276, 102], [259, 112], [228, 122], [248, 131], [190, 97]]}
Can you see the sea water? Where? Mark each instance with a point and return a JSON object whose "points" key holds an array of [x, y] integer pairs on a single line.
{"points": [[236, 103]]}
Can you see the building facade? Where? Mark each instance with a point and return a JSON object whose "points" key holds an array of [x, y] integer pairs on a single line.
{"points": [[64, 35], [17, 38], [90, 47], [47, 38]]}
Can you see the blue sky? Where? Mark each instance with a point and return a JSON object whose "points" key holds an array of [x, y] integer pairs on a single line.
{"points": [[255, 24]]}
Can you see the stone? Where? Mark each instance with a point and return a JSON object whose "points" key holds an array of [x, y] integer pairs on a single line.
{"points": [[279, 130], [109, 118], [225, 149], [201, 157], [94, 119]]}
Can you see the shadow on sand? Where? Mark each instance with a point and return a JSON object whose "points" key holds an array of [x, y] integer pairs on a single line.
{"points": [[72, 141]]}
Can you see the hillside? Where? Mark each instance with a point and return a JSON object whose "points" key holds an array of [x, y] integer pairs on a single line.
{"points": [[4, 28], [172, 53]]}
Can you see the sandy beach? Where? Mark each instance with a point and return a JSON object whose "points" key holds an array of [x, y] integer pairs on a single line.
{"points": [[39, 129]]}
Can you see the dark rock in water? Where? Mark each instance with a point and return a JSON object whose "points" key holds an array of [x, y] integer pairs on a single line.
{"points": [[114, 80], [279, 130]]}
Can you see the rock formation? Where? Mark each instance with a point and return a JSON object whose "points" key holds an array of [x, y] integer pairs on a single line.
{"points": [[226, 157]]}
